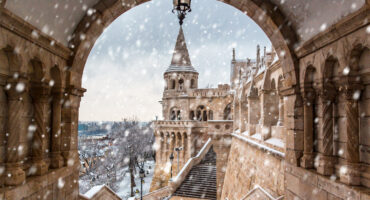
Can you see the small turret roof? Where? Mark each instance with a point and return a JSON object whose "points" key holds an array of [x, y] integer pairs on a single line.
{"points": [[180, 59]]}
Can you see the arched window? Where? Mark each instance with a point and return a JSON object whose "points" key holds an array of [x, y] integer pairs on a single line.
{"points": [[175, 114], [173, 84], [181, 84], [227, 112], [172, 115], [201, 113]]}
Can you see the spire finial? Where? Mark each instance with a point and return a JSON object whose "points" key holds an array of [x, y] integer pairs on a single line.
{"points": [[233, 54]]}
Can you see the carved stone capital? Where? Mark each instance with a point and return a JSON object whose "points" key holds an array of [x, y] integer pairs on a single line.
{"points": [[18, 87], [327, 92], [40, 91], [352, 92], [73, 90], [308, 96]]}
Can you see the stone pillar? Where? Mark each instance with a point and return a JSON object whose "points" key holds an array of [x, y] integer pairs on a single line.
{"points": [[307, 161], [253, 114], [14, 174], [190, 146], [281, 111], [172, 144], [3, 119], [350, 172], [325, 165], [40, 93], [165, 148], [57, 160], [70, 108], [183, 153], [265, 120], [159, 146], [293, 118]]}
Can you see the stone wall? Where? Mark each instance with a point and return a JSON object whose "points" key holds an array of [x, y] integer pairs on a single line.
{"points": [[38, 115], [249, 166], [58, 184], [305, 184]]}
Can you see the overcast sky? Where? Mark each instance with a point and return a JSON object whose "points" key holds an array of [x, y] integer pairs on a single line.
{"points": [[124, 72]]}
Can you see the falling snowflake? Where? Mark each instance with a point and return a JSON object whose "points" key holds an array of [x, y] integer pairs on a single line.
{"points": [[20, 87]]}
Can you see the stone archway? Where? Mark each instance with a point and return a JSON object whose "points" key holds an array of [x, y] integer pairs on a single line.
{"points": [[264, 13]]}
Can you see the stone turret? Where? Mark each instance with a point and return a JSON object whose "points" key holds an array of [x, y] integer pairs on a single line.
{"points": [[181, 75]]}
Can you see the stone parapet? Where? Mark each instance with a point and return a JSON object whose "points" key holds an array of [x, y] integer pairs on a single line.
{"points": [[176, 182], [306, 184], [60, 183]]}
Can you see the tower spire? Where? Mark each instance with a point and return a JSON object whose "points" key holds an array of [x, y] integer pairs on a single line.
{"points": [[180, 59], [180, 55]]}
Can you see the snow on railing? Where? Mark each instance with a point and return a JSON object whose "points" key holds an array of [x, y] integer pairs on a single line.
{"points": [[158, 194], [189, 164], [261, 146], [264, 191]]}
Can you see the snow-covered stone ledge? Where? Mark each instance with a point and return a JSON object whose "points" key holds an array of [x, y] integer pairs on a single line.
{"points": [[259, 145], [176, 182], [158, 194], [99, 192], [259, 192]]}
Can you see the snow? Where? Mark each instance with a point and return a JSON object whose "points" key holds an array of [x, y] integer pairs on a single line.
{"points": [[191, 159], [89, 194], [276, 142], [261, 146], [257, 136], [124, 185]]}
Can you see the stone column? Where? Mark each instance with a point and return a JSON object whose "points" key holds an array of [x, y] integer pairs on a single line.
{"points": [[307, 161], [40, 94], [14, 174], [325, 165], [190, 146], [172, 144], [165, 148], [253, 114], [70, 108], [281, 111], [183, 153], [265, 120], [350, 172], [57, 160], [3, 119], [159, 146]]}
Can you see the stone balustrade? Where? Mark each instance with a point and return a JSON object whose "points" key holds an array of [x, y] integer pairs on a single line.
{"points": [[176, 182]]}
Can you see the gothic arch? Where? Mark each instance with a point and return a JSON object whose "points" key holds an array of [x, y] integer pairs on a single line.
{"points": [[264, 13]]}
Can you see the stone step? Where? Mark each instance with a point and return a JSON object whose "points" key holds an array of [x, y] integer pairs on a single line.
{"points": [[201, 182]]}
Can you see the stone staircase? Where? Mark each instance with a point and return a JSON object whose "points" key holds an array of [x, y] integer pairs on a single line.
{"points": [[201, 181]]}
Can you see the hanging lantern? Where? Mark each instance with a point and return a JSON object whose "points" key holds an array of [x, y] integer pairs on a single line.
{"points": [[182, 7]]}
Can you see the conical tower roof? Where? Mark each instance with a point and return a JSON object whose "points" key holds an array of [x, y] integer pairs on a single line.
{"points": [[180, 58]]}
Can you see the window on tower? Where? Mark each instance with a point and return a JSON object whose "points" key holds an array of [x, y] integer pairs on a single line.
{"points": [[181, 84]]}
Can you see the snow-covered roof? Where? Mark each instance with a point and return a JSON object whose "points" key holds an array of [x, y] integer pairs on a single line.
{"points": [[89, 194]]}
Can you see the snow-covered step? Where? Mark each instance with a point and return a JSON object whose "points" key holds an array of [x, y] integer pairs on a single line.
{"points": [[201, 181]]}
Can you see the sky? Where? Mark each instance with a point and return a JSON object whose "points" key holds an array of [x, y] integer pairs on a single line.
{"points": [[124, 71]]}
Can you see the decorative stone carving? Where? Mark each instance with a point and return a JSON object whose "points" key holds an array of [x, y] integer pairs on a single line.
{"points": [[307, 161], [14, 172], [325, 160], [57, 160], [349, 172], [40, 94]]}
